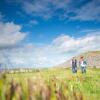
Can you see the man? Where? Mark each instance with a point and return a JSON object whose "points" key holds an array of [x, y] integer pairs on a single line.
{"points": [[74, 65], [83, 65]]}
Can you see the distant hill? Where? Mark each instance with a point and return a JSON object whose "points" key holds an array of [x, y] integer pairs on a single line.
{"points": [[92, 57]]}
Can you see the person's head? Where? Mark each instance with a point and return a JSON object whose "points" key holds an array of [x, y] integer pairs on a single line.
{"points": [[81, 58], [75, 59]]}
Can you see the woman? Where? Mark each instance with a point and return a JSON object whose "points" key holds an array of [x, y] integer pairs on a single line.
{"points": [[83, 65]]}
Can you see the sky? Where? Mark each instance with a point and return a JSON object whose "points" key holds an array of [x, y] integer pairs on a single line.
{"points": [[45, 33]]}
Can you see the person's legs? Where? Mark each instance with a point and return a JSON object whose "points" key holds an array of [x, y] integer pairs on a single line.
{"points": [[73, 69], [82, 69]]}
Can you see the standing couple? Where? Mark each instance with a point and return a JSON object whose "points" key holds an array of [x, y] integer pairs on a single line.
{"points": [[82, 64]]}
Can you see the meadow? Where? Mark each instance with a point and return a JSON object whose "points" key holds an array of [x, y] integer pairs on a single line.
{"points": [[51, 84]]}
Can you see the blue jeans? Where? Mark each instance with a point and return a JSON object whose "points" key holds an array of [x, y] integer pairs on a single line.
{"points": [[74, 69], [83, 69]]}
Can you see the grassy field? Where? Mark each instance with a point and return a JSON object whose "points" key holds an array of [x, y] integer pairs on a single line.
{"points": [[51, 84]]}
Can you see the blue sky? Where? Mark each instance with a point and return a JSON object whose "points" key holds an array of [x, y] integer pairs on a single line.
{"points": [[44, 33]]}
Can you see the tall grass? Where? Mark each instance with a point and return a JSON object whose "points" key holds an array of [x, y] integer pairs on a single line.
{"points": [[55, 84]]}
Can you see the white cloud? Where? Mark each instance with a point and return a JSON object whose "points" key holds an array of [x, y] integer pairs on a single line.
{"points": [[44, 8], [63, 9], [10, 34], [66, 43], [59, 50], [90, 11]]}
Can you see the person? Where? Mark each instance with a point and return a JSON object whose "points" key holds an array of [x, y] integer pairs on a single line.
{"points": [[74, 65], [83, 64]]}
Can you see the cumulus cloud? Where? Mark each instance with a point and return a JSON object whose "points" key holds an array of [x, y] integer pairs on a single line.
{"points": [[59, 50], [71, 46], [10, 34]]}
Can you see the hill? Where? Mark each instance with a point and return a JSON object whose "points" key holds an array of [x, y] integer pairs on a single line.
{"points": [[92, 57]]}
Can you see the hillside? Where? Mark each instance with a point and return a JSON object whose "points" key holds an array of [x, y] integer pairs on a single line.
{"points": [[92, 57]]}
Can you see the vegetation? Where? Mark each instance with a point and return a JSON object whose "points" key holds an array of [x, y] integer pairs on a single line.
{"points": [[51, 84]]}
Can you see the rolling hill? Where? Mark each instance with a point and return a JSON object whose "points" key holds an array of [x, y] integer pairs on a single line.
{"points": [[92, 57]]}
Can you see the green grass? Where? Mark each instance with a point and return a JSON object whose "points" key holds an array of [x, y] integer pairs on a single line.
{"points": [[61, 84]]}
